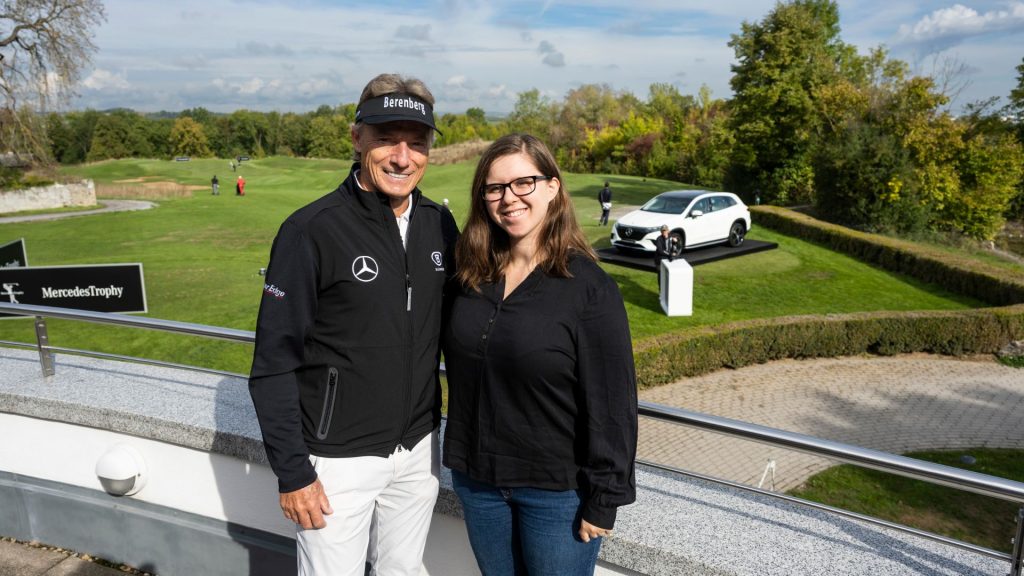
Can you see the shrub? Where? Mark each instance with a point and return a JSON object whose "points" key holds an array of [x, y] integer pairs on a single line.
{"points": [[956, 273], [663, 360]]}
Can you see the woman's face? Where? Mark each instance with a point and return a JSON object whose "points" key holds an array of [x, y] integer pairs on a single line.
{"points": [[521, 217]]}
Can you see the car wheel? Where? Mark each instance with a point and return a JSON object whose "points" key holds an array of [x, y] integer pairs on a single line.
{"points": [[678, 242], [737, 234]]}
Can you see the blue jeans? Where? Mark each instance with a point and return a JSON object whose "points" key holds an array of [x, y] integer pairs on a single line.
{"points": [[525, 531]]}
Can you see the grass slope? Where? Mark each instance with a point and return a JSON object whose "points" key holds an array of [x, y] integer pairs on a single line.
{"points": [[962, 515], [201, 257]]}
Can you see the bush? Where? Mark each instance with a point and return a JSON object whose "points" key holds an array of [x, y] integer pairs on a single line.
{"points": [[955, 273], [663, 360]]}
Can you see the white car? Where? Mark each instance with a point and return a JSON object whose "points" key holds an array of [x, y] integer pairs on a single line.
{"points": [[694, 217]]}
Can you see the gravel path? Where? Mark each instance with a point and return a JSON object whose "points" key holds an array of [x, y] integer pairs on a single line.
{"points": [[108, 206]]}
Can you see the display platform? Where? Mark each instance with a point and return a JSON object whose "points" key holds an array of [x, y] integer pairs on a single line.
{"points": [[694, 257]]}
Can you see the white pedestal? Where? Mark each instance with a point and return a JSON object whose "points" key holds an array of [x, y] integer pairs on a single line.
{"points": [[676, 287]]}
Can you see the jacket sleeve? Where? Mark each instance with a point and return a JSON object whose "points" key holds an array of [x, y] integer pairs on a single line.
{"points": [[608, 387], [286, 317]]}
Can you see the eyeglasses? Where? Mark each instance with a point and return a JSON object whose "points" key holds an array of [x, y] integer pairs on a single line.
{"points": [[520, 187]]}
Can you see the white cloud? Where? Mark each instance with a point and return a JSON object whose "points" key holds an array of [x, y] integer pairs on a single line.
{"points": [[949, 26], [252, 86], [455, 81], [417, 32], [105, 80]]}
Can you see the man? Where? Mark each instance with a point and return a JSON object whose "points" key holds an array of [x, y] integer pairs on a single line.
{"points": [[605, 198], [216, 184], [664, 248], [345, 370]]}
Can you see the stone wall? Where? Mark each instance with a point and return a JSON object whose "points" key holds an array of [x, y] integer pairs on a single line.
{"points": [[48, 197]]}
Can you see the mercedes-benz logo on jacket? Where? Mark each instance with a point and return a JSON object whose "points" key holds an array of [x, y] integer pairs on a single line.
{"points": [[364, 268]]}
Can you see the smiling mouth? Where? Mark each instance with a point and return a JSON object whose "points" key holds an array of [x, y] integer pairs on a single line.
{"points": [[514, 213], [397, 175]]}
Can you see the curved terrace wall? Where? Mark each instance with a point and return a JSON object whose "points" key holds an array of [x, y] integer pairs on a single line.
{"points": [[48, 197]]}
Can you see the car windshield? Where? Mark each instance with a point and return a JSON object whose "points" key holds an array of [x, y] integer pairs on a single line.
{"points": [[666, 205]]}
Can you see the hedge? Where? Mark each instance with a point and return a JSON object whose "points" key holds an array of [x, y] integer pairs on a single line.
{"points": [[956, 273], [698, 351]]}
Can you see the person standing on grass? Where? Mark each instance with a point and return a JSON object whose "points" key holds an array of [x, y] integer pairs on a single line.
{"points": [[542, 410], [216, 184], [605, 198], [240, 186], [345, 370]]}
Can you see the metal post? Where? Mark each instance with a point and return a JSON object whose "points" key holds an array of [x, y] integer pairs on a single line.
{"points": [[43, 341], [1018, 545]]}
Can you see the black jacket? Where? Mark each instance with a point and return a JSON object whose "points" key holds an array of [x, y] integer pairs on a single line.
{"points": [[347, 340], [542, 389], [663, 248]]}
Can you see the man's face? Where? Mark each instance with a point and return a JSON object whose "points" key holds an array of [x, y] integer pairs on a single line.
{"points": [[393, 156]]}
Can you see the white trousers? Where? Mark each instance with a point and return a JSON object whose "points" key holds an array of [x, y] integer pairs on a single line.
{"points": [[382, 509]]}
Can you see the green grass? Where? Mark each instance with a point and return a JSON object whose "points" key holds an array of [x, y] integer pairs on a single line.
{"points": [[962, 515], [201, 257], [1011, 361]]}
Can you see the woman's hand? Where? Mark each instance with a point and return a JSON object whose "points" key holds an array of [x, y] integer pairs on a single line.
{"points": [[588, 531]]}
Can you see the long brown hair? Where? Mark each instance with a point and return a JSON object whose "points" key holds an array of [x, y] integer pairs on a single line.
{"points": [[483, 249]]}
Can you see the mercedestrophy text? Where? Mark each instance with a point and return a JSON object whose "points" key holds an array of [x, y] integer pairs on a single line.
{"points": [[88, 292]]}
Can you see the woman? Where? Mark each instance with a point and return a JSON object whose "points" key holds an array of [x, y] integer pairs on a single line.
{"points": [[541, 431]]}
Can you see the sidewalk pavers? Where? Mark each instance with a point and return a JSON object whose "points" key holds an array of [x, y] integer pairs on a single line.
{"points": [[895, 404]]}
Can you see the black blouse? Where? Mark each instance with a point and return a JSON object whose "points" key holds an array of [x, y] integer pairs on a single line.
{"points": [[542, 390]]}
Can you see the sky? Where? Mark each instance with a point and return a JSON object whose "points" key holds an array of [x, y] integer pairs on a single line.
{"points": [[296, 55]]}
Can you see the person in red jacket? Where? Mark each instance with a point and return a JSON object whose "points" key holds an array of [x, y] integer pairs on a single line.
{"points": [[240, 186]]}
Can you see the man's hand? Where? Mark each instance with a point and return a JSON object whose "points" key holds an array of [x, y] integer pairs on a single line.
{"points": [[588, 531], [307, 506]]}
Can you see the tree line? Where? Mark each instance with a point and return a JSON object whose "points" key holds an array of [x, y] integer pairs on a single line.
{"points": [[812, 121]]}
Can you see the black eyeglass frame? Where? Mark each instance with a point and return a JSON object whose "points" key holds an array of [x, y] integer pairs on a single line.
{"points": [[536, 178]]}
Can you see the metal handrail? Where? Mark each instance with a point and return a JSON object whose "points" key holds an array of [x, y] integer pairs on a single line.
{"points": [[917, 469], [901, 465], [131, 321]]}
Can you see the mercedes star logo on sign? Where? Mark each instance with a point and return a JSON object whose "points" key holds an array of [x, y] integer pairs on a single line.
{"points": [[364, 268]]}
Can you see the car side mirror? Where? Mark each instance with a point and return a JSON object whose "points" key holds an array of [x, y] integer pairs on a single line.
{"points": [[696, 213]]}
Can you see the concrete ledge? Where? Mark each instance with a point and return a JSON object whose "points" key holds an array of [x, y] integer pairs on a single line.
{"points": [[677, 526]]}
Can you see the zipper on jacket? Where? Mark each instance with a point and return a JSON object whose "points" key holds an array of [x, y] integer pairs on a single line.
{"points": [[408, 290], [403, 253], [329, 396]]}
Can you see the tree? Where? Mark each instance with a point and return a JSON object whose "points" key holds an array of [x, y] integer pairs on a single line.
{"points": [[328, 137], [1016, 114], [188, 139], [44, 46], [532, 114], [783, 60]]}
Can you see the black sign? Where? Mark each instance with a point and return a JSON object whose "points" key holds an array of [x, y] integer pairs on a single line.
{"points": [[243, 158], [182, 159], [99, 288], [13, 254]]}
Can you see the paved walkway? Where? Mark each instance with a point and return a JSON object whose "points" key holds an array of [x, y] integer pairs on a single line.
{"points": [[895, 404], [18, 559], [108, 206]]}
